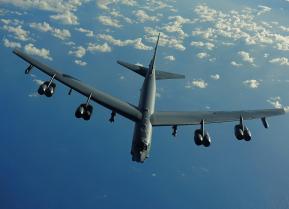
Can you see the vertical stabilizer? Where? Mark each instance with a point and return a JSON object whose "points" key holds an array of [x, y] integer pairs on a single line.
{"points": [[152, 63]]}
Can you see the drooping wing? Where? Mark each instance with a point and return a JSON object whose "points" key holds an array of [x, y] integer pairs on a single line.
{"points": [[123, 108], [194, 118]]}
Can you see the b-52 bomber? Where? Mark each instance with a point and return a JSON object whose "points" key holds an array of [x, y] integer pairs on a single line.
{"points": [[144, 115]]}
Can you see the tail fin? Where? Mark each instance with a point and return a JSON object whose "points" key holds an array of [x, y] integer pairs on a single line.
{"points": [[152, 63], [160, 75]]}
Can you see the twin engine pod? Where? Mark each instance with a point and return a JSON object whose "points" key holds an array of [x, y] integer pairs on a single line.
{"points": [[47, 88], [202, 138], [84, 111], [242, 132]]}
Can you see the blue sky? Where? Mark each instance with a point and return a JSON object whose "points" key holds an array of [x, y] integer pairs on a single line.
{"points": [[234, 56]]}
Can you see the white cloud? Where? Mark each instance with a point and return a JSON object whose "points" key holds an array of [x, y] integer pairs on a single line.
{"points": [[38, 81], [242, 26], [263, 9], [31, 49], [78, 52], [165, 40], [200, 44], [246, 57], [88, 33], [202, 55], [198, 83], [235, 64], [80, 62], [170, 58], [142, 16], [276, 102], [137, 43], [62, 34], [67, 17], [98, 48], [106, 20], [253, 84], [64, 9], [104, 4], [11, 44], [215, 77], [18, 31], [280, 61], [176, 26]]}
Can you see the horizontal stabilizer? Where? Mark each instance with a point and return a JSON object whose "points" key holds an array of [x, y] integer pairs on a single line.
{"points": [[160, 75], [136, 68]]}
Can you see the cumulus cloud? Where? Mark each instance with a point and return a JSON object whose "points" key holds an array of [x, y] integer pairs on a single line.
{"points": [[31, 49], [18, 31], [165, 40], [88, 33], [80, 63], [62, 34], [176, 26], [202, 55], [215, 77], [197, 83], [170, 58], [253, 84], [137, 43], [276, 102], [263, 9], [142, 16], [105, 4], [65, 10], [239, 25], [106, 20], [235, 64], [67, 17], [246, 57], [78, 52], [205, 45], [11, 44], [280, 61], [98, 48]]}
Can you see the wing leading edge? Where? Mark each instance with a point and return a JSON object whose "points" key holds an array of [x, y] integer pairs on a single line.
{"points": [[123, 108], [194, 118]]}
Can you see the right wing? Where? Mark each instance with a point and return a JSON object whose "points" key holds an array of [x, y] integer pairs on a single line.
{"points": [[123, 108], [195, 118]]}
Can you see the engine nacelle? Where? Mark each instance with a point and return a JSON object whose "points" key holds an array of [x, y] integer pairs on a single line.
{"points": [[239, 134], [88, 112], [247, 134], [207, 140], [198, 137], [46, 89], [84, 111], [80, 111]]}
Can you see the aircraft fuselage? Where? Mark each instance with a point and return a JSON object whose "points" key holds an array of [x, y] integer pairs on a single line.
{"points": [[142, 136]]}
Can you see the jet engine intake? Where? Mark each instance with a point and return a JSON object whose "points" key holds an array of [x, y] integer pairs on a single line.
{"points": [[47, 89], [242, 133], [198, 137], [84, 111]]}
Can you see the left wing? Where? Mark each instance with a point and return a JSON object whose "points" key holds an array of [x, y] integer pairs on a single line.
{"points": [[194, 118], [123, 108]]}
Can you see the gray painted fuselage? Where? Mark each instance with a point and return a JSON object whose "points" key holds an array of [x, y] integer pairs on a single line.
{"points": [[142, 136]]}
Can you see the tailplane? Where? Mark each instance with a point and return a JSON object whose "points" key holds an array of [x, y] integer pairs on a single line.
{"points": [[160, 75]]}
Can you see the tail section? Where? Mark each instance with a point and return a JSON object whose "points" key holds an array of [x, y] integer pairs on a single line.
{"points": [[160, 75]]}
